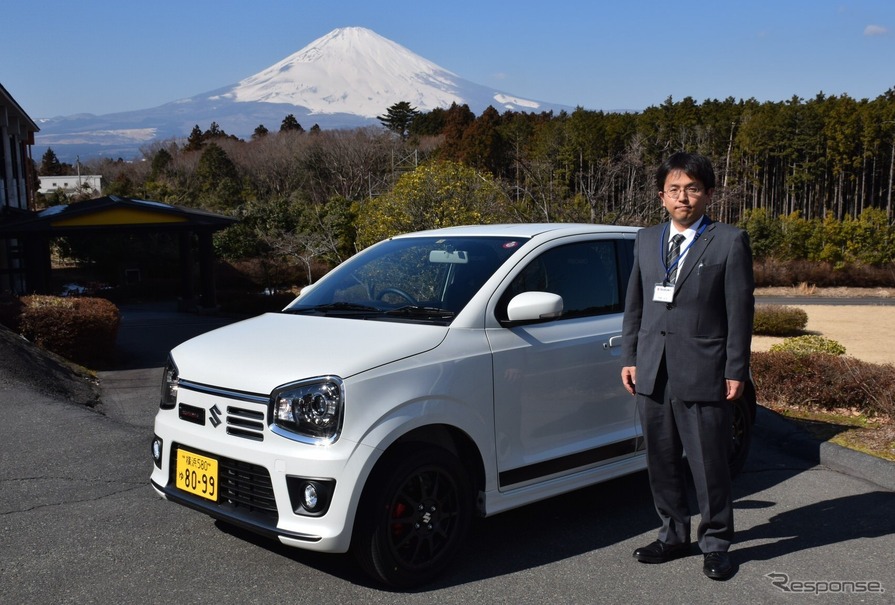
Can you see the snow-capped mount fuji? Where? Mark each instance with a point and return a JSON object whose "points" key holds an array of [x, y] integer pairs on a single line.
{"points": [[356, 71], [341, 80]]}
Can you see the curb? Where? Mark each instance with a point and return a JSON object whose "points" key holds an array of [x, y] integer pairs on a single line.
{"points": [[798, 442]]}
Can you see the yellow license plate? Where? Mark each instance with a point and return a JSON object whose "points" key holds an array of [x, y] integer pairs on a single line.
{"points": [[197, 474]]}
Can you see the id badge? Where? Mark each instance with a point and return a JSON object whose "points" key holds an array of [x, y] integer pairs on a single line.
{"points": [[663, 293]]}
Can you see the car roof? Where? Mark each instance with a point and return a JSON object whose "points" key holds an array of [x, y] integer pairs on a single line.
{"points": [[526, 230]]}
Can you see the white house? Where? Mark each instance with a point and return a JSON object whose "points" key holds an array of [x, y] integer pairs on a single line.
{"points": [[71, 184]]}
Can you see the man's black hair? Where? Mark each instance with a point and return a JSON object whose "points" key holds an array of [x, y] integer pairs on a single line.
{"points": [[693, 165]]}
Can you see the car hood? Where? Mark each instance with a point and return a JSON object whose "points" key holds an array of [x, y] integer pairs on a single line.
{"points": [[257, 355]]}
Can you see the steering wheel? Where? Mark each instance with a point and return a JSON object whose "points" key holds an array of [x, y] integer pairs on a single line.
{"points": [[398, 292]]}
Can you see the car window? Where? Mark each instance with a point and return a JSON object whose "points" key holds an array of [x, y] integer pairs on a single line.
{"points": [[584, 274]]}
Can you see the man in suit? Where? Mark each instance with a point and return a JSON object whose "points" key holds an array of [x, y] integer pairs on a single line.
{"points": [[685, 351]]}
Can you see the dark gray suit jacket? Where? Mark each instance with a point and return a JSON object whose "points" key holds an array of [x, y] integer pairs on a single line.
{"points": [[705, 333]]}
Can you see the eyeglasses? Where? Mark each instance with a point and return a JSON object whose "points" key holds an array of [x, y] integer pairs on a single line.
{"points": [[690, 190]]}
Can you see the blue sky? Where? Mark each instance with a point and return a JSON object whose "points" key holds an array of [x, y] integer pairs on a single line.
{"points": [[99, 56]]}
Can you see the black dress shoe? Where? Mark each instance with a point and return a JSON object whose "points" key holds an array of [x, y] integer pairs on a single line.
{"points": [[660, 552], [717, 565]]}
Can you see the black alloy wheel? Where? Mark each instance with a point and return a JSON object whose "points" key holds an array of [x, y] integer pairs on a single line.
{"points": [[413, 517]]}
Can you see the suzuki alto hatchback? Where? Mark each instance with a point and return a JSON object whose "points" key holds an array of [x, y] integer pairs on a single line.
{"points": [[430, 378]]}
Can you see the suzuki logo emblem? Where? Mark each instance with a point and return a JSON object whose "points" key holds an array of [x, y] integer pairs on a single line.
{"points": [[215, 416]]}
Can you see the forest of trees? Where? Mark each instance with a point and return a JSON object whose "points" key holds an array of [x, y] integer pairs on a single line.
{"points": [[785, 169]]}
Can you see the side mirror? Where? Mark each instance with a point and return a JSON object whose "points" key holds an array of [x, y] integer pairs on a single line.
{"points": [[534, 306]]}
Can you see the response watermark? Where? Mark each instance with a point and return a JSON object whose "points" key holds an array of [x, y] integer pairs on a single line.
{"points": [[783, 582]]}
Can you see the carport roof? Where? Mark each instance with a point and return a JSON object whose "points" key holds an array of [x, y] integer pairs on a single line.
{"points": [[113, 212]]}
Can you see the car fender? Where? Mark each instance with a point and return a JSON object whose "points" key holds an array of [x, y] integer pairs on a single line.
{"points": [[456, 395]]}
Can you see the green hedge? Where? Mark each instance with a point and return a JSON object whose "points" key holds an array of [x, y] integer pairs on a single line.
{"points": [[779, 320], [809, 344]]}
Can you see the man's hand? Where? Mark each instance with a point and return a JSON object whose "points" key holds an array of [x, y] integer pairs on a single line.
{"points": [[735, 389], [629, 379]]}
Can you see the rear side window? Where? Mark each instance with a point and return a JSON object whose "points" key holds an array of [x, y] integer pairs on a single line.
{"points": [[585, 274]]}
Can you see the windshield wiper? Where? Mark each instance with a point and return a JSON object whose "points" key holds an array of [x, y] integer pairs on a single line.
{"points": [[420, 310], [336, 306], [409, 311]]}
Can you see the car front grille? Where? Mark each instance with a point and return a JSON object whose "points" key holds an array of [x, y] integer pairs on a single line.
{"points": [[245, 423]]}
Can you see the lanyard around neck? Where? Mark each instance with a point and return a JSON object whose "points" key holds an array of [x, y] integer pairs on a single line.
{"points": [[663, 246]]}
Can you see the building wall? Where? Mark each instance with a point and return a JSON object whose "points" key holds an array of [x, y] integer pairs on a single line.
{"points": [[71, 184], [16, 138], [16, 135]]}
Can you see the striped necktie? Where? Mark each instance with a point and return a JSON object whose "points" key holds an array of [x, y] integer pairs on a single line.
{"points": [[674, 250]]}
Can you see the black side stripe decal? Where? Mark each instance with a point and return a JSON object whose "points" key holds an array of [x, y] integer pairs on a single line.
{"points": [[570, 462]]}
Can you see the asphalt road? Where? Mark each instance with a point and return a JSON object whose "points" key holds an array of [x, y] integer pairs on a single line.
{"points": [[80, 524]]}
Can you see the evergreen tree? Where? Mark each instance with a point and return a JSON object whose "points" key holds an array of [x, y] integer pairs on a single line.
{"points": [[218, 179], [160, 162], [428, 124], [457, 119], [50, 164], [290, 124], [398, 118], [196, 139], [482, 145], [214, 132], [260, 132]]}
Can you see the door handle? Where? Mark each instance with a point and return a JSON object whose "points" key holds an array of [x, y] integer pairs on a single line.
{"points": [[615, 341]]}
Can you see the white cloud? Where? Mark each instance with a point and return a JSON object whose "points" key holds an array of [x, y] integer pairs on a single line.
{"points": [[876, 30]]}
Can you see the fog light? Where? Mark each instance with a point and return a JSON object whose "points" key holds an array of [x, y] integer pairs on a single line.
{"points": [[309, 498], [157, 451]]}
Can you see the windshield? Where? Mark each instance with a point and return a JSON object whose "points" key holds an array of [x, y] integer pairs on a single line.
{"points": [[409, 279]]}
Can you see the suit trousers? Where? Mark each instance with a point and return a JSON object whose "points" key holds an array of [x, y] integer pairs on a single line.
{"points": [[673, 428]]}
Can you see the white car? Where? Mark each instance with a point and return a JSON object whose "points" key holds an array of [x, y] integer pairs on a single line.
{"points": [[432, 377]]}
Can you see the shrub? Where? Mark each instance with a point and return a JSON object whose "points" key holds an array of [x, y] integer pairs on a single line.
{"points": [[779, 320], [80, 329], [809, 344], [824, 381], [786, 273]]}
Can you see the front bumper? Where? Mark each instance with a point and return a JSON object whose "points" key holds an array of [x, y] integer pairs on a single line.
{"points": [[256, 470], [248, 500]]}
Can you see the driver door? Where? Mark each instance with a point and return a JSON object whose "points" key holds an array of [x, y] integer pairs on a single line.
{"points": [[559, 405]]}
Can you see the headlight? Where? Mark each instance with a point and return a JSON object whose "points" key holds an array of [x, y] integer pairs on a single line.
{"points": [[311, 409], [170, 381]]}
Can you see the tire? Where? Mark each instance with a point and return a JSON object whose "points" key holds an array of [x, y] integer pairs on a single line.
{"points": [[741, 430], [413, 517]]}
